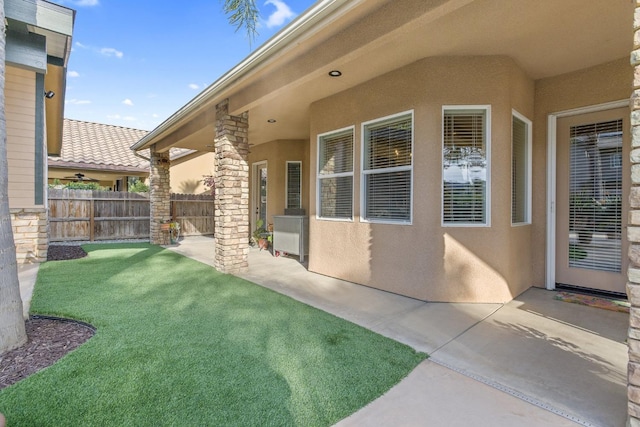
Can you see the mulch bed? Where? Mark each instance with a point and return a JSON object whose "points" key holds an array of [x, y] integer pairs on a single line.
{"points": [[63, 252], [48, 340]]}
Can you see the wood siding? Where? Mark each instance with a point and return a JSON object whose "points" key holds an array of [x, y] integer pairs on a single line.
{"points": [[20, 114]]}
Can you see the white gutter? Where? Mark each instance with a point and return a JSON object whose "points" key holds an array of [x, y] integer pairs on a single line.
{"points": [[287, 35]]}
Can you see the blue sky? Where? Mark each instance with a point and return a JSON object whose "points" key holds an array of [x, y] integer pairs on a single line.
{"points": [[136, 62]]}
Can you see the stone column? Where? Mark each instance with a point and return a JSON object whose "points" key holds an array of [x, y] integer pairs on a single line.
{"points": [[231, 191], [159, 194], [633, 233]]}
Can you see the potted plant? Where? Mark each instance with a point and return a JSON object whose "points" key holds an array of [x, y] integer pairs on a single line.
{"points": [[261, 236]]}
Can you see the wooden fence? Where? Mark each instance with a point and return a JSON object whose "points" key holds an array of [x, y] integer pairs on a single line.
{"points": [[194, 212], [89, 215]]}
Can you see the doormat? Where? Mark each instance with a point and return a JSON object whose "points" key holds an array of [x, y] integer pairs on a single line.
{"points": [[598, 302]]}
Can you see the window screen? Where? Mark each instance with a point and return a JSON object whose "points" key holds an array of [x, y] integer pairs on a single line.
{"points": [[465, 166], [294, 185], [520, 171], [387, 168], [335, 175]]}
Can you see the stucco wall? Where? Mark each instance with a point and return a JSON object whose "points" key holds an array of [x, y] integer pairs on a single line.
{"points": [[20, 101], [187, 173], [276, 154], [597, 85], [425, 260]]}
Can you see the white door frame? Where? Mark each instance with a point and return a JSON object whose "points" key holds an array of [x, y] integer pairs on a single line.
{"points": [[255, 190], [552, 120]]}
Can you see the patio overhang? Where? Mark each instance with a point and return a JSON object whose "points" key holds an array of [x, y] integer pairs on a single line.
{"points": [[363, 40]]}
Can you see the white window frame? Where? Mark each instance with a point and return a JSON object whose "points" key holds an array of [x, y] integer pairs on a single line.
{"points": [[487, 110], [335, 175], [364, 173], [286, 182], [528, 165]]}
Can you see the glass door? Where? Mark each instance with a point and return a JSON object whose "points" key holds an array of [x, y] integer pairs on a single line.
{"points": [[591, 193]]}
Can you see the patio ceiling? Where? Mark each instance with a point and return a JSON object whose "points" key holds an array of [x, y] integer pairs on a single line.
{"points": [[364, 39]]}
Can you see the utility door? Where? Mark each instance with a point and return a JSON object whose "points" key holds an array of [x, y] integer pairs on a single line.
{"points": [[591, 200]]}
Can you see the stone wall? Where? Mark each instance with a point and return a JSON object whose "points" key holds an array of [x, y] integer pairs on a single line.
{"points": [[159, 195], [232, 190], [30, 233], [633, 232]]}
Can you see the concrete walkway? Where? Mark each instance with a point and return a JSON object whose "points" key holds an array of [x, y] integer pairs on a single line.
{"points": [[535, 361], [532, 362]]}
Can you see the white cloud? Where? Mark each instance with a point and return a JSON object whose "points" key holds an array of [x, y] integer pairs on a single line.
{"points": [[282, 14], [73, 74], [129, 119], [78, 44], [74, 101], [128, 102], [155, 116], [85, 2], [194, 86], [114, 116], [109, 51]]}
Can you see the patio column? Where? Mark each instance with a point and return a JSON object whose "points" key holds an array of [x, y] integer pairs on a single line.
{"points": [[159, 195], [633, 233], [232, 190]]}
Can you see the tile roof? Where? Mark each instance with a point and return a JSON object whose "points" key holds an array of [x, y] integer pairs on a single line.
{"points": [[100, 146]]}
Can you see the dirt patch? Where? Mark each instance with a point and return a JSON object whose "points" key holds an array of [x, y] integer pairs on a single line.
{"points": [[48, 340], [63, 252]]}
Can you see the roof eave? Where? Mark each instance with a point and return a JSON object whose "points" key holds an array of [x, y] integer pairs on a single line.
{"points": [[295, 30]]}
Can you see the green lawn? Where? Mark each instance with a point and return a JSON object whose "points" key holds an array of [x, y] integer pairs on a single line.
{"points": [[178, 343]]}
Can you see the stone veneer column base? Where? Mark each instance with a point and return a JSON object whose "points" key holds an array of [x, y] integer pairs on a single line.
{"points": [[159, 196], [633, 235], [30, 234], [232, 191]]}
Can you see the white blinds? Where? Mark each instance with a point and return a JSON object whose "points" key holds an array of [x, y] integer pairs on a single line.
{"points": [[294, 185], [464, 166], [595, 202], [519, 172], [335, 175], [387, 169]]}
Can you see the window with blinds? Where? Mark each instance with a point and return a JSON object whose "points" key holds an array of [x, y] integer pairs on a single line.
{"points": [[335, 175], [595, 199], [294, 185], [520, 170], [465, 154], [387, 169]]}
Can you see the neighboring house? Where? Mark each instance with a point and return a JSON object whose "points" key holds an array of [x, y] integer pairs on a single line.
{"points": [[37, 50], [95, 152], [458, 151]]}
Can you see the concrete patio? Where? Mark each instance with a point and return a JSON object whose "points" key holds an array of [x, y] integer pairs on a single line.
{"points": [[535, 361]]}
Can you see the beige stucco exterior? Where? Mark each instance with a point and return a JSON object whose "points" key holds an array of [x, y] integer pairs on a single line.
{"points": [[426, 260], [187, 173], [276, 154]]}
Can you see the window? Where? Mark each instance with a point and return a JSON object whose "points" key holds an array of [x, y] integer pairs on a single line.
{"points": [[335, 175], [465, 165], [387, 169], [520, 170], [294, 185]]}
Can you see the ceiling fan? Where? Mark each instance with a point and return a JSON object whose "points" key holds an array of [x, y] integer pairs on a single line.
{"points": [[80, 177]]}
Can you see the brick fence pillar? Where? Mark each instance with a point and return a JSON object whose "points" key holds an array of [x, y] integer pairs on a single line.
{"points": [[231, 191], [159, 195], [633, 233]]}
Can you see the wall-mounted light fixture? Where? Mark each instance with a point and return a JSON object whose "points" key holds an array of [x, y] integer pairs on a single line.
{"points": [[271, 120], [49, 94], [335, 73]]}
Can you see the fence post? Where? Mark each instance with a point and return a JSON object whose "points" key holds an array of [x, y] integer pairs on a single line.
{"points": [[92, 220]]}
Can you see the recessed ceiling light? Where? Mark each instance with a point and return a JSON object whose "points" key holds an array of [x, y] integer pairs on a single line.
{"points": [[335, 73], [271, 121]]}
